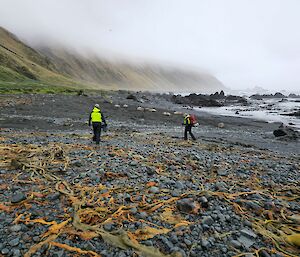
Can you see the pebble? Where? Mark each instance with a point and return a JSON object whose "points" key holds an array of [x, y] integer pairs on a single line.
{"points": [[16, 253], [108, 227], [187, 205], [248, 233], [236, 244], [187, 242], [18, 197], [154, 190], [204, 202], [5, 251], [246, 242], [205, 243], [14, 242], [16, 228], [208, 220], [179, 185]]}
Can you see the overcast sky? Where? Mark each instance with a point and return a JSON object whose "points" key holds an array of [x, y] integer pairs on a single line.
{"points": [[244, 43]]}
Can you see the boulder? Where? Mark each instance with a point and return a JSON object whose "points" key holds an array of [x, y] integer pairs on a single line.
{"points": [[188, 205], [132, 97], [286, 133]]}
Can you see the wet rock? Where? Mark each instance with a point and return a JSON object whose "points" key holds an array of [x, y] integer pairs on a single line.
{"points": [[143, 215], [150, 171], [5, 251], [221, 125], [18, 197], [14, 242], [16, 253], [108, 227], [16, 228], [208, 220], [205, 243], [248, 233], [76, 163], [175, 193], [132, 97], [154, 190], [53, 197], [236, 244], [188, 205], [204, 202], [220, 186], [264, 253], [286, 133], [246, 242], [179, 185], [222, 172]]}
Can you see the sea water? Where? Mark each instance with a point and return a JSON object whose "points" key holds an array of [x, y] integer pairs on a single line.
{"points": [[269, 110]]}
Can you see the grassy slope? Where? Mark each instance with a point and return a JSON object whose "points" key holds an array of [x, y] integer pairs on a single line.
{"points": [[125, 76], [24, 69]]}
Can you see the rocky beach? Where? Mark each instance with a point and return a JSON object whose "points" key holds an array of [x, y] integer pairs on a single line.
{"points": [[144, 191]]}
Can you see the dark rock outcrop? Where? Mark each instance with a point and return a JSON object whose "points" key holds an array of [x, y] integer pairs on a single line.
{"points": [[296, 114], [261, 97], [286, 133], [213, 100]]}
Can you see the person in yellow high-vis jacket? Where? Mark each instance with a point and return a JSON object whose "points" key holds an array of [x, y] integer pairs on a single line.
{"points": [[96, 119], [188, 123]]}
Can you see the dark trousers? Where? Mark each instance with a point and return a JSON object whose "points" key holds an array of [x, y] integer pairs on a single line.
{"points": [[97, 132], [188, 128]]}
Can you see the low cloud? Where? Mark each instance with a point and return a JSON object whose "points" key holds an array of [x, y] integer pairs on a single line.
{"points": [[244, 43]]}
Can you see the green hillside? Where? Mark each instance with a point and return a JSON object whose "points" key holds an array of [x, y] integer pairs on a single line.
{"points": [[24, 69]]}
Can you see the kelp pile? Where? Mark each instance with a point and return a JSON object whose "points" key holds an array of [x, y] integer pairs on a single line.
{"points": [[87, 207]]}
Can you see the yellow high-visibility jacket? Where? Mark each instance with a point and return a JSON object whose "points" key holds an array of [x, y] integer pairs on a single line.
{"points": [[96, 115]]}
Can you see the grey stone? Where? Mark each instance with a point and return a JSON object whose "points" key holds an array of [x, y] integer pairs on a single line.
{"points": [[222, 172], [204, 202], [76, 163], [5, 251], [253, 205], [236, 244], [154, 190], [175, 193], [246, 242], [16, 228], [205, 243], [16, 253], [142, 215], [148, 243], [59, 253], [53, 197], [187, 205], [208, 220], [108, 227], [18, 197], [179, 185], [264, 253], [36, 239], [220, 186], [174, 239], [187, 242], [150, 171], [133, 210], [248, 233], [14, 242], [247, 223]]}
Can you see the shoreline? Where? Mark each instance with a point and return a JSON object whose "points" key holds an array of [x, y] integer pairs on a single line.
{"points": [[144, 189]]}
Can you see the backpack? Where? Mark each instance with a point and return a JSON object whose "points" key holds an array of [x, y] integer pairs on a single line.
{"points": [[193, 119]]}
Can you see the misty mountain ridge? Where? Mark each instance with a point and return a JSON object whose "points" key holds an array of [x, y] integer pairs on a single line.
{"points": [[62, 66]]}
